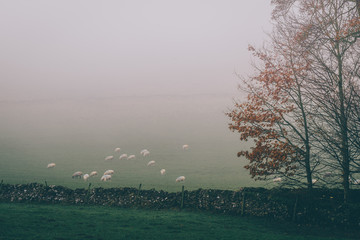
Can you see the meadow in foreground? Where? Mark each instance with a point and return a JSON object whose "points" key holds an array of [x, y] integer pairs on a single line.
{"points": [[34, 221]]}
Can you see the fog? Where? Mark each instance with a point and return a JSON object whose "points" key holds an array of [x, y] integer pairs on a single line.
{"points": [[85, 48], [78, 135], [79, 78]]}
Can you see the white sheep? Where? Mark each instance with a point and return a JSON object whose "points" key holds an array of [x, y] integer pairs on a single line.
{"points": [[93, 173], [122, 156], [131, 157], [162, 171], [86, 176], [142, 151], [314, 181], [109, 172], [146, 153], [51, 165], [180, 179], [109, 158], [77, 174], [117, 149], [185, 147], [151, 163], [105, 178], [278, 179]]}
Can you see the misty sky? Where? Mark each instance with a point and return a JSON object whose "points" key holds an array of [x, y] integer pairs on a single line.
{"points": [[86, 48]]}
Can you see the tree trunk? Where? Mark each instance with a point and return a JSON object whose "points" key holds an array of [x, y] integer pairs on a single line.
{"points": [[344, 131]]}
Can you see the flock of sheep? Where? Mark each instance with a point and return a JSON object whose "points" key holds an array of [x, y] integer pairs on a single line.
{"points": [[107, 174]]}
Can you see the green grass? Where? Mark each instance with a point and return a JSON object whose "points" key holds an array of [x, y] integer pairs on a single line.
{"points": [[78, 135], [34, 221]]}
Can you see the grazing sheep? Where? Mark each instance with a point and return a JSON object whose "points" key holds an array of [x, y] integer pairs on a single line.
{"points": [[109, 158], [144, 150], [51, 165], [86, 176], [162, 171], [146, 153], [93, 173], [185, 147], [151, 163], [77, 174], [117, 150], [122, 156], [105, 178], [109, 172], [278, 179], [131, 157], [180, 179], [314, 181]]}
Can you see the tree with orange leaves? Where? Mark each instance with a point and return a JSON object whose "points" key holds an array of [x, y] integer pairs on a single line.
{"points": [[275, 118], [302, 109]]}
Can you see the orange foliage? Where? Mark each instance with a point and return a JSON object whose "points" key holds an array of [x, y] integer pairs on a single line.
{"points": [[261, 118]]}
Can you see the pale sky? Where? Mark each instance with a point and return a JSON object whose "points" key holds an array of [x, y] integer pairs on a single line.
{"points": [[86, 48]]}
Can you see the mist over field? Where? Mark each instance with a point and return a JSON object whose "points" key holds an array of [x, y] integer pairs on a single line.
{"points": [[78, 134], [102, 96], [80, 78]]}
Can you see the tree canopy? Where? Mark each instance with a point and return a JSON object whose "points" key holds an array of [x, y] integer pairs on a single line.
{"points": [[302, 107]]}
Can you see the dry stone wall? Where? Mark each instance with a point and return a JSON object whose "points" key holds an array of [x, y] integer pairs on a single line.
{"points": [[322, 206]]}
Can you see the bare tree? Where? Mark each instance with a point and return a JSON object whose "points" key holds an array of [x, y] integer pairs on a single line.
{"points": [[327, 39], [303, 103]]}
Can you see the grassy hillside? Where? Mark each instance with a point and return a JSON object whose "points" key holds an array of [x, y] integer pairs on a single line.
{"points": [[33, 221]]}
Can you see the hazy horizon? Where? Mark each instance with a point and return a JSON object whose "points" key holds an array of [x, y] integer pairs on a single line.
{"points": [[78, 134], [80, 78], [67, 49]]}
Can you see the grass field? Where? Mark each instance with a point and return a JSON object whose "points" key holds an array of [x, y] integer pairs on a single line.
{"points": [[78, 134], [33, 221]]}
